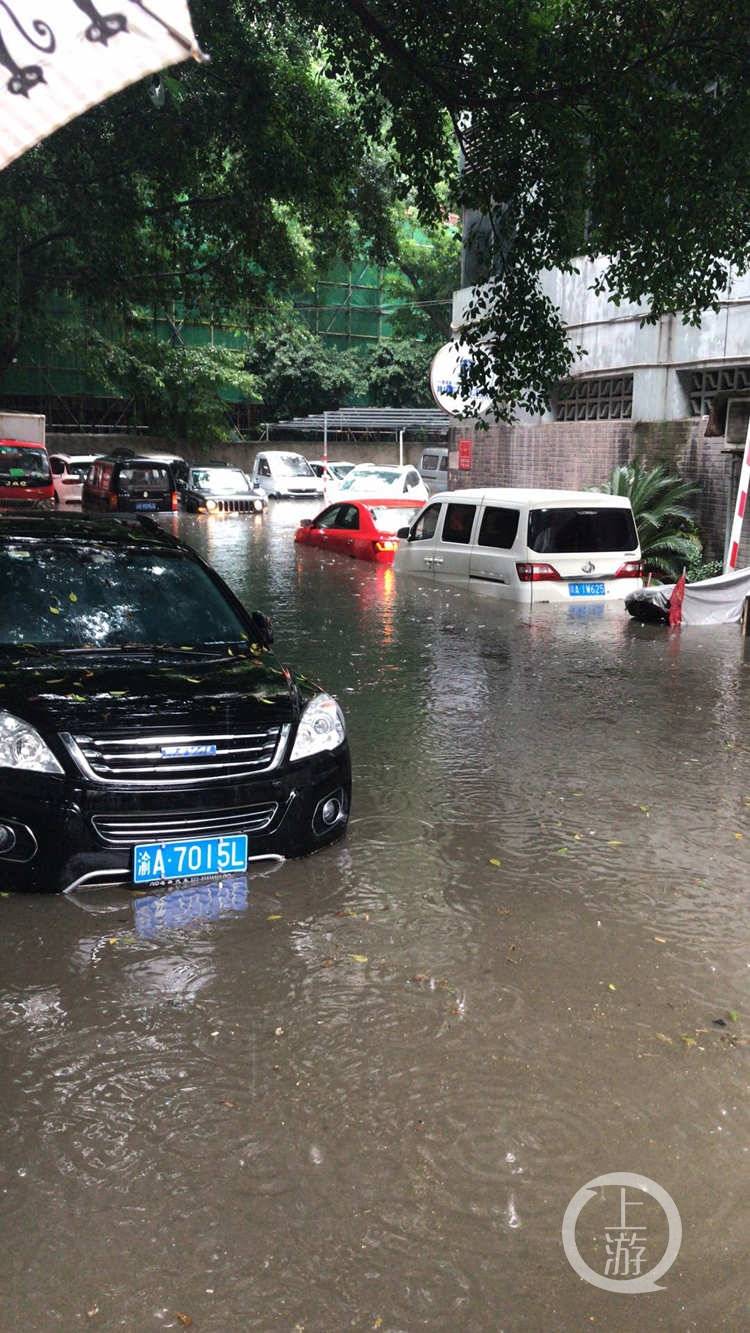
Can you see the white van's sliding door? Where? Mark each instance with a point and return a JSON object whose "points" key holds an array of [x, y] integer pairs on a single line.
{"points": [[493, 555], [455, 533]]}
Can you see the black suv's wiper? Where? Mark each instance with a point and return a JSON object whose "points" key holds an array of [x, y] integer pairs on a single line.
{"points": [[166, 649]]}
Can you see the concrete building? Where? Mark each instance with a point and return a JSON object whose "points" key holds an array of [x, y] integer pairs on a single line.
{"points": [[665, 392]]}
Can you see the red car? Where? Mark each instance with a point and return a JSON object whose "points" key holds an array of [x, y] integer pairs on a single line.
{"points": [[364, 529]]}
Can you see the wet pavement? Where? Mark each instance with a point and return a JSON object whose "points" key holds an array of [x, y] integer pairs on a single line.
{"points": [[359, 1091]]}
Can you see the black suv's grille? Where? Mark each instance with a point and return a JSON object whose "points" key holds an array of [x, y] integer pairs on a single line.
{"points": [[125, 830], [235, 506], [169, 759]]}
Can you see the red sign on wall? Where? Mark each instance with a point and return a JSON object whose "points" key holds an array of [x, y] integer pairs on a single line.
{"points": [[465, 450]]}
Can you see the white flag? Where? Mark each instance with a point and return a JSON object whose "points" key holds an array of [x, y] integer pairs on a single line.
{"points": [[59, 57]]}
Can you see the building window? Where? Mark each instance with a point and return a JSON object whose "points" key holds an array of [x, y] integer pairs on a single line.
{"points": [[706, 385], [606, 399]]}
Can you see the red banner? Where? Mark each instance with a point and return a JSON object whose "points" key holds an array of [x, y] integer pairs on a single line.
{"points": [[465, 452]]}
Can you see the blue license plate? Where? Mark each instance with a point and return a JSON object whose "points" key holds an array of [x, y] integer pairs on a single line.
{"points": [[157, 861], [586, 589], [145, 504]]}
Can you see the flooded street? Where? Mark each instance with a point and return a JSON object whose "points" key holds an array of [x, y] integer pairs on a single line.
{"points": [[360, 1090]]}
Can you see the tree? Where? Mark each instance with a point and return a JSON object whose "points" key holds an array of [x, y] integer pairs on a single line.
{"points": [[253, 169], [178, 388], [296, 374], [424, 275], [616, 128], [666, 526], [398, 374]]}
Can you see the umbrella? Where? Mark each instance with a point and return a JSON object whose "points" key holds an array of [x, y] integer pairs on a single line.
{"points": [[63, 56]]}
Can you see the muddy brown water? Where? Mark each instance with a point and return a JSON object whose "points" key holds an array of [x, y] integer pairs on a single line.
{"points": [[360, 1091]]}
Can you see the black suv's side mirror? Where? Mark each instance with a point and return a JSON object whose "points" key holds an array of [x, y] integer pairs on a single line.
{"points": [[404, 532], [263, 629]]}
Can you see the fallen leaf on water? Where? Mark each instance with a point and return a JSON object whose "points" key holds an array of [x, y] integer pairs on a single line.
{"points": [[662, 1036], [226, 1102], [739, 835], [561, 851], [275, 916], [689, 1041], [732, 1015], [577, 837], [72, 597], [660, 939], [77, 698], [378, 1322], [278, 1032], [644, 810], [359, 957], [494, 861], [112, 939], [55, 610], [184, 1319], [614, 842], [610, 986]]}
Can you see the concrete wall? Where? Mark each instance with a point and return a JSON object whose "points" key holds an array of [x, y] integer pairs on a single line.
{"points": [[575, 455], [659, 356], [241, 454]]}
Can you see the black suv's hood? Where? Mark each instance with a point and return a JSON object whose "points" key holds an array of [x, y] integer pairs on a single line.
{"points": [[96, 694]]}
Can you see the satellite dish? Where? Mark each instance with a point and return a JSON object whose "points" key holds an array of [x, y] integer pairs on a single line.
{"points": [[445, 373]]}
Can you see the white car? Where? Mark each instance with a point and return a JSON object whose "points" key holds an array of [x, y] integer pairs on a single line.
{"points": [[282, 474], [332, 471], [68, 475], [381, 481]]}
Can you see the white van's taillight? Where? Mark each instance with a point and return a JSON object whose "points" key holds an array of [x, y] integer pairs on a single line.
{"points": [[537, 573], [632, 569]]}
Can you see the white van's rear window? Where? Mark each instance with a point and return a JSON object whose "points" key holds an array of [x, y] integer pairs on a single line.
{"points": [[579, 531]]}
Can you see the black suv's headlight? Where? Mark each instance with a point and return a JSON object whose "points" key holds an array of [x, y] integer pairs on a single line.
{"points": [[22, 747], [321, 727]]}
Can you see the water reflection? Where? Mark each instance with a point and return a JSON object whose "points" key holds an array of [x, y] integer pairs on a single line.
{"points": [[181, 907]]}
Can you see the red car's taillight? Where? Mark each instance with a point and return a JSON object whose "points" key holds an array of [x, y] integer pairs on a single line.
{"points": [[537, 573], [632, 569], [385, 545], [175, 500]]}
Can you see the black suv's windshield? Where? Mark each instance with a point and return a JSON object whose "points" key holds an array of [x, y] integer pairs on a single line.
{"points": [[220, 480], [17, 462], [66, 597]]}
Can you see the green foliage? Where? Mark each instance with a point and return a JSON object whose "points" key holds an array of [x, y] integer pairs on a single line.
{"points": [[177, 387], [424, 276], [666, 527], [614, 130], [398, 374], [297, 374]]}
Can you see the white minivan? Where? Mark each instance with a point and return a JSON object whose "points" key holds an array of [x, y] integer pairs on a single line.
{"points": [[528, 545], [282, 474], [433, 469]]}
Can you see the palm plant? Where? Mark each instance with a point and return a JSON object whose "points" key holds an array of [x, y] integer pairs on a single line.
{"points": [[665, 524]]}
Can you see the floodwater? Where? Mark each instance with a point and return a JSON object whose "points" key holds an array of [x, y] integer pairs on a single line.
{"points": [[360, 1091]]}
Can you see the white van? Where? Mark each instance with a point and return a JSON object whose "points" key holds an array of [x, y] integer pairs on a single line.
{"points": [[282, 474], [529, 545], [433, 469]]}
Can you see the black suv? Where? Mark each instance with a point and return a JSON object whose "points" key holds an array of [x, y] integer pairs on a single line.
{"points": [[147, 733], [126, 484]]}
